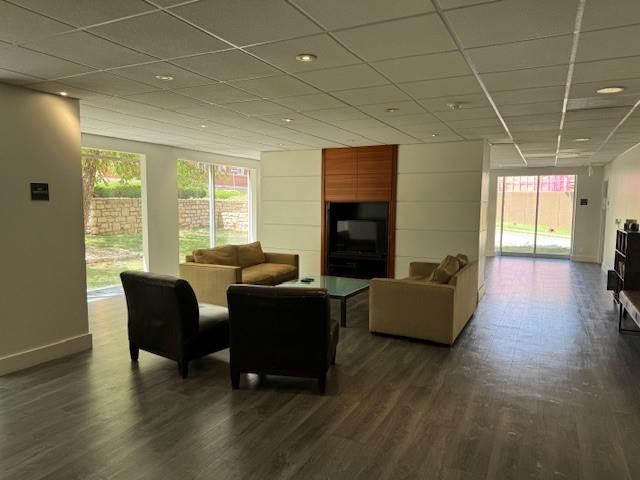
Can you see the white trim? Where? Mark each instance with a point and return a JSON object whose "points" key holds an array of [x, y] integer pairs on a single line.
{"points": [[35, 356]]}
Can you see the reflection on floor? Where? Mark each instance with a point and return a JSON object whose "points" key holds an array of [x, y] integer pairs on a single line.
{"points": [[539, 385]]}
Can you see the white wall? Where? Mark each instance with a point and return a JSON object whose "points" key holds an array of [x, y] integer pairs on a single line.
{"points": [[160, 194], [587, 226], [290, 205], [623, 198], [43, 308], [439, 202], [438, 210]]}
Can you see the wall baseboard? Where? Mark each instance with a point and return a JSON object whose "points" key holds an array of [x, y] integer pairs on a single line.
{"points": [[585, 259], [35, 356], [481, 291]]}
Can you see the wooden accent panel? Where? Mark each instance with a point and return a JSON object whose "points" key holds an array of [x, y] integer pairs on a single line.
{"points": [[340, 161], [367, 174], [340, 187]]}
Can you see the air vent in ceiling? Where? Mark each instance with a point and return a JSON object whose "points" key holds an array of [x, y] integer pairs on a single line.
{"points": [[591, 103]]}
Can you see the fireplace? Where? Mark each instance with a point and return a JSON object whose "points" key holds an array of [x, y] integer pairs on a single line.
{"points": [[357, 239]]}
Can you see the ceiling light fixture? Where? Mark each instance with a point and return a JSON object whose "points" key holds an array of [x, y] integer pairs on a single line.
{"points": [[453, 106], [203, 126], [64, 94], [610, 90], [582, 139], [392, 110], [306, 57], [166, 78], [287, 120], [435, 134], [280, 144]]}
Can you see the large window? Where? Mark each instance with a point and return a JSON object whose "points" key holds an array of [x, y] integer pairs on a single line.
{"points": [[535, 215], [214, 205], [112, 215]]}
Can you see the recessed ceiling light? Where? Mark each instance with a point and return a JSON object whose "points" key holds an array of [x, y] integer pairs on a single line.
{"points": [[203, 126], [582, 139], [392, 110], [287, 120], [609, 90], [64, 94], [306, 57], [280, 144], [453, 106], [435, 134], [166, 78]]}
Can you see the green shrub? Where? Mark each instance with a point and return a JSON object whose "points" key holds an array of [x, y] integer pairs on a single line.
{"points": [[193, 192], [230, 195], [111, 190]]}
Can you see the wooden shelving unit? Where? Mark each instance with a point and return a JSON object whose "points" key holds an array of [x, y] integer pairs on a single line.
{"points": [[627, 263]]}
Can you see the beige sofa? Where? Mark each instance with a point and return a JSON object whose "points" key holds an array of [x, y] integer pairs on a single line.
{"points": [[414, 307], [210, 271]]}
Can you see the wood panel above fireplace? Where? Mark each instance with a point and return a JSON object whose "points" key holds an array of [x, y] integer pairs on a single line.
{"points": [[360, 174]]}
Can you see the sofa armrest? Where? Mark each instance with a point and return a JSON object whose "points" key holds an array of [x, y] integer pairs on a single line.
{"points": [[210, 282], [411, 309], [421, 269], [283, 258]]}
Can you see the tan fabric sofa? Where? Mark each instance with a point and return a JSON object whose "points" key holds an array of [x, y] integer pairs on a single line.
{"points": [[414, 307], [210, 271]]}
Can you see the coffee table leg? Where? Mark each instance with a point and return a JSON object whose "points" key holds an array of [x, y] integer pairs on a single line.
{"points": [[343, 312]]}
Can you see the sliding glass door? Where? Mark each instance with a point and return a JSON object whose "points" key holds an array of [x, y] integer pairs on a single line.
{"points": [[535, 215]]}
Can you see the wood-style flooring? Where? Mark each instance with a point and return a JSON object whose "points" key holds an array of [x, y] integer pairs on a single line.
{"points": [[539, 385]]}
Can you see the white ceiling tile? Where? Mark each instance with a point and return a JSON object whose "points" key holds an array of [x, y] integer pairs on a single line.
{"points": [[258, 107], [402, 121], [424, 67], [448, 4], [165, 99], [530, 78], [519, 55], [530, 109], [283, 54], [275, 87], [391, 136], [604, 44], [628, 67], [248, 22], [369, 95], [82, 13], [344, 77], [605, 14], [147, 72], [305, 103], [441, 104], [37, 64], [72, 92], [229, 65], [512, 21], [18, 25], [89, 50], [336, 114], [107, 83], [159, 34], [298, 119], [15, 78], [467, 114], [529, 95], [118, 104], [631, 86], [409, 36], [217, 93], [379, 110], [442, 87], [334, 14]]}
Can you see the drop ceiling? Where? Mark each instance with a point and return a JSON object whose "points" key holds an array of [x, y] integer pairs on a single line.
{"points": [[522, 74]]}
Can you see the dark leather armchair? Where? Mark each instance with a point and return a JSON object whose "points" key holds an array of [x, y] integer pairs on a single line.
{"points": [[281, 331], [165, 319]]}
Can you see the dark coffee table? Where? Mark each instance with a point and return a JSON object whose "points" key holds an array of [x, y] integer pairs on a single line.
{"points": [[340, 288]]}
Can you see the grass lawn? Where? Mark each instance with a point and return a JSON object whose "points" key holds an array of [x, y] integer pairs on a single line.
{"points": [[107, 274], [521, 227]]}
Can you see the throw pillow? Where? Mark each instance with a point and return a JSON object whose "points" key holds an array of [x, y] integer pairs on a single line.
{"points": [[445, 270], [250, 254], [463, 259], [225, 255]]}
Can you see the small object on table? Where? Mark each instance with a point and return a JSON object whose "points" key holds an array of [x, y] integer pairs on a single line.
{"points": [[306, 280]]}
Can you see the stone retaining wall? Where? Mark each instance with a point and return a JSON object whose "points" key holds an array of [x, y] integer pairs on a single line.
{"points": [[111, 216]]}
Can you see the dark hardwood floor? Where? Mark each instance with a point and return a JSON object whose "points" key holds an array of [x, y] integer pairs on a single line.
{"points": [[539, 385]]}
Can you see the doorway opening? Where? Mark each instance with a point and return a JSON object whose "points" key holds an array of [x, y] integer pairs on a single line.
{"points": [[534, 215]]}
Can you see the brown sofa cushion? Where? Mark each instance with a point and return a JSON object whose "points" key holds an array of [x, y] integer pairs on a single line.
{"points": [[268, 273], [250, 254], [463, 259], [445, 270], [225, 255]]}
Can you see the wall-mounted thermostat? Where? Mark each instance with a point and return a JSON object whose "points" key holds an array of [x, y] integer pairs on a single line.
{"points": [[40, 191]]}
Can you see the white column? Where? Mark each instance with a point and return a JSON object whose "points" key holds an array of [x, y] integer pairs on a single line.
{"points": [[160, 210]]}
